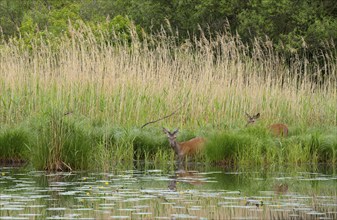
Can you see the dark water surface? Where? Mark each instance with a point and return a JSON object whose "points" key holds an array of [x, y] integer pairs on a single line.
{"points": [[192, 193]]}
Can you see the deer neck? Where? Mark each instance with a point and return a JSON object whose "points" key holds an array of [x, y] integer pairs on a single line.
{"points": [[176, 146]]}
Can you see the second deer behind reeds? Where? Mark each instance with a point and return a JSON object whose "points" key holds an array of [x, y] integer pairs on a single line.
{"points": [[278, 129], [185, 148]]}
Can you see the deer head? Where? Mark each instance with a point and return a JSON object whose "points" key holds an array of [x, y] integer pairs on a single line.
{"points": [[252, 119]]}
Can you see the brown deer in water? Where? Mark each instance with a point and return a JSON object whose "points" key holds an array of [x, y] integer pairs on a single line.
{"points": [[278, 129], [185, 148]]}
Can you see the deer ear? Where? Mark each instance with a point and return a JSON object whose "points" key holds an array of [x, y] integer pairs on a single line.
{"points": [[257, 115], [176, 131], [248, 115], [165, 130]]}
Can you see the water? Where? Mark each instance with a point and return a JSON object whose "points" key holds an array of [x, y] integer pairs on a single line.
{"points": [[143, 193]]}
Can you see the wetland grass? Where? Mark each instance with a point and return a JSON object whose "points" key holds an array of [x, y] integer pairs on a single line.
{"points": [[14, 142], [112, 90], [257, 147]]}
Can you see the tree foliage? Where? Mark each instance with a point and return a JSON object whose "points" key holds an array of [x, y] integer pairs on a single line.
{"points": [[292, 25]]}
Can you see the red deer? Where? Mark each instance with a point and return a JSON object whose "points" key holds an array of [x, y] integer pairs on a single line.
{"points": [[278, 129], [182, 149]]}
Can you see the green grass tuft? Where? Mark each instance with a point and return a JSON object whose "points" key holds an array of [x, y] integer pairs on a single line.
{"points": [[149, 142], [14, 143]]}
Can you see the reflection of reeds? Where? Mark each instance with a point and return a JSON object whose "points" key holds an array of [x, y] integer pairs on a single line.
{"points": [[134, 193], [125, 85]]}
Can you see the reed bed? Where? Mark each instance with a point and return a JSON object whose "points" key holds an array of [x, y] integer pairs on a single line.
{"points": [[86, 82]]}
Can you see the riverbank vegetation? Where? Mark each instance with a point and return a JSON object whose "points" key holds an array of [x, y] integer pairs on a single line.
{"points": [[79, 102], [293, 27]]}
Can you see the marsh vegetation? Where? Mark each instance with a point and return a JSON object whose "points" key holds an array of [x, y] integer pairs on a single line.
{"points": [[78, 102]]}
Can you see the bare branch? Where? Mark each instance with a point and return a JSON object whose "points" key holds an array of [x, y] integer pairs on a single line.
{"points": [[167, 116]]}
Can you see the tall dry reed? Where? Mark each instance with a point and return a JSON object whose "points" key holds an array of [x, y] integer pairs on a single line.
{"points": [[213, 80]]}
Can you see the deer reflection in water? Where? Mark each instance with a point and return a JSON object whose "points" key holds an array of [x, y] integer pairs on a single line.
{"points": [[185, 176], [280, 188]]}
